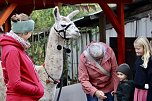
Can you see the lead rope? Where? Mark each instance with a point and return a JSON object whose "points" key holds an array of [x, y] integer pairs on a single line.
{"points": [[54, 81], [61, 83]]}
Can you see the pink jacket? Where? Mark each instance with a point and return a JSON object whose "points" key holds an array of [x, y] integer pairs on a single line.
{"points": [[19, 74], [91, 77]]}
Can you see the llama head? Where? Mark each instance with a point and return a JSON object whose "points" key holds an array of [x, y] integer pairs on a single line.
{"points": [[64, 26]]}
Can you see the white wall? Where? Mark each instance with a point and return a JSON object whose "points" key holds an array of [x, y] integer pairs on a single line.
{"points": [[142, 27]]}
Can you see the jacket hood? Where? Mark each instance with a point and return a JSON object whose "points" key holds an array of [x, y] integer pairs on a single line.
{"points": [[7, 40]]}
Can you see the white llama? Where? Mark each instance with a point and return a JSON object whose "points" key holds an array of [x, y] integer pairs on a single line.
{"points": [[2, 85], [63, 29]]}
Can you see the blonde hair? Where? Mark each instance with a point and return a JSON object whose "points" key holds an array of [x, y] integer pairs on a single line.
{"points": [[143, 42]]}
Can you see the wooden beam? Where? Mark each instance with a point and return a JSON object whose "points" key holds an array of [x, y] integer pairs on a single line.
{"points": [[110, 16], [91, 1], [121, 35], [7, 26], [21, 2], [7, 13], [115, 1]]}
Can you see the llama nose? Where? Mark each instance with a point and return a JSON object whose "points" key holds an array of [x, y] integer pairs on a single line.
{"points": [[77, 31]]}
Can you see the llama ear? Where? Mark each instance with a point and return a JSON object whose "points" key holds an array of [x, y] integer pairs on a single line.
{"points": [[72, 14], [56, 13]]}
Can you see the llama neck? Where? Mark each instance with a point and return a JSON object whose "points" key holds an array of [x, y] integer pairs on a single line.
{"points": [[55, 39], [54, 57]]}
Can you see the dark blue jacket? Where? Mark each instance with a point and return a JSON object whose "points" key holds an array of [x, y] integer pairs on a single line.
{"points": [[143, 76], [125, 91]]}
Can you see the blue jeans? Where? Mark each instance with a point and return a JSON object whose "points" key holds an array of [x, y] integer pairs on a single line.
{"points": [[94, 98]]}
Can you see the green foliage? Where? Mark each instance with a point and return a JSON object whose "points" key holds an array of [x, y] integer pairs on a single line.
{"points": [[37, 50], [44, 18]]}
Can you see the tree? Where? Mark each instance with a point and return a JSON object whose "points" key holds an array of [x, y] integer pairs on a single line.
{"points": [[44, 18]]}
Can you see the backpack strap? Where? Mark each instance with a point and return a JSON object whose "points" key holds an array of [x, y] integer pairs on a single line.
{"points": [[96, 63]]}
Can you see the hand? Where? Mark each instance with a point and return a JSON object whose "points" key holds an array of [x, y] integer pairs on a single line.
{"points": [[112, 93], [100, 94]]}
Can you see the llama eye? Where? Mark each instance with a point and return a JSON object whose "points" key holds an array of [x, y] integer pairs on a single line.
{"points": [[63, 25]]}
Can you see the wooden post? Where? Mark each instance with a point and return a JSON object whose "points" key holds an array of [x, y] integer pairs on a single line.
{"points": [[110, 16], [102, 27], [121, 35]]}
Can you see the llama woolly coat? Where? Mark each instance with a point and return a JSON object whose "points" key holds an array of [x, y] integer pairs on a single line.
{"points": [[19, 75]]}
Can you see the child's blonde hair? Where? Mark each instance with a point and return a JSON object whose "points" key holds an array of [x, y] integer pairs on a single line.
{"points": [[143, 42]]}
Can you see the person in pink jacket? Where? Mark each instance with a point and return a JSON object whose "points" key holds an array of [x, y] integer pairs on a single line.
{"points": [[20, 76], [97, 72]]}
